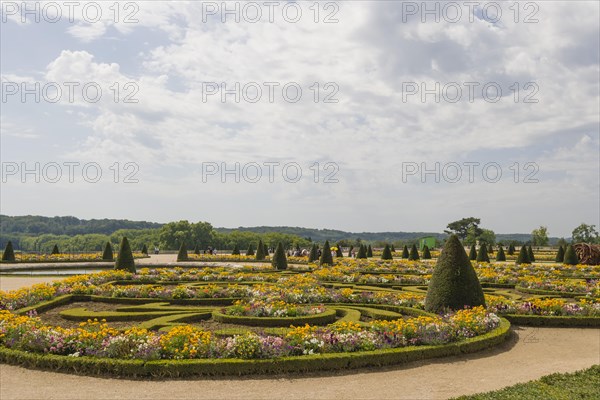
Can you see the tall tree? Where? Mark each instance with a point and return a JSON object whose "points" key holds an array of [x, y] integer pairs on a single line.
{"points": [[539, 236], [585, 234], [462, 226]]}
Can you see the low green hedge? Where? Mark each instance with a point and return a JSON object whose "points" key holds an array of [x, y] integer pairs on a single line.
{"points": [[326, 317], [544, 320], [309, 363], [548, 292]]}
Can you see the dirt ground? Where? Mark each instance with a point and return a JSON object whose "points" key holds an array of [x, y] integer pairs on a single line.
{"points": [[532, 353]]}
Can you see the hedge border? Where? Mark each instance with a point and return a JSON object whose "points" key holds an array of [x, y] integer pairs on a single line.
{"points": [[326, 317], [550, 321], [549, 292], [211, 367]]}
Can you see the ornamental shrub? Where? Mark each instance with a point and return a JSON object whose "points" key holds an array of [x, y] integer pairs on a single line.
{"points": [[414, 253], [279, 259], [523, 257], [369, 251], [393, 249], [511, 249], [473, 253], [236, 250], [426, 253], [560, 256], [260, 251], [250, 251], [405, 253], [314, 253], [454, 283], [125, 257], [350, 251], [483, 256], [326, 257], [362, 252], [108, 252], [570, 256], [530, 254], [9, 253], [338, 252], [55, 250], [500, 256], [145, 249], [182, 255], [387, 253], [266, 248]]}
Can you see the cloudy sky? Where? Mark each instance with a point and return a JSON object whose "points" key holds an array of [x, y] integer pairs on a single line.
{"points": [[397, 117]]}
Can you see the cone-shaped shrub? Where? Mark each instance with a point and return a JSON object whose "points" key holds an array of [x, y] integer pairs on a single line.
{"points": [[350, 251], [236, 250], [108, 252], [405, 253], [393, 249], [250, 251], [500, 256], [483, 256], [387, 253], [145, 249], [523, 257], [560, 256], [182, 255], [369, 251], [326, 254], [338, 252], [454, 283], [362, 252], [279, 259], [260, 251], [571, 256], [426, 253], [55, 250], [473, 253], [9, 252], [530, 254], [490, 249], [511, 249], [266, 249], [314, 253], [125, 258], [414, 253]]}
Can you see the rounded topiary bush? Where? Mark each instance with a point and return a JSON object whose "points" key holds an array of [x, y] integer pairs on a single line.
{"points": [[405, 253], [9, 252], [473, 253], [454, 283], [483, 256], [414, 253], [326, 257], [523, 257], [108, 252], [55, 250], [426, 253], [182, 255], [500, 256], [387, 253], [125, 258], [560, 255], [571, 256], [279, 260]]}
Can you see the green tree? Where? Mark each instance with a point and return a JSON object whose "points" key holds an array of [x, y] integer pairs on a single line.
{"points": [[571, 256], [473, 253], [530, 254], [462, 226], [426, 253], [182, 255], [500, 256], [405, 253], [585, 234], [338, 252], [125, 260], [369, 251], [523, 257], [414, 253], [326, 257], [144, 249], [55, 250], [314, 253], [9, 253], [279, 261], [560, 255], [108, 252], [236, 250], [260, 251], [250, 251], [387, 253], [362, 252], [483, 256], [196, 249], [511, 249], [350, 251], [454, 283], [393, 249], [539, 236]]}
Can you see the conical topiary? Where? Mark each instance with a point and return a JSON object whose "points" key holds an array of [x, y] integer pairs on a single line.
{"points": [[145, 250], [414, 253], [571, 256], [483, 256], [279, 259], [350, 251], [326, 257], [560, 256], [338, 252], [125, 260], [405, 253], [55, 250], [511, 249], [108, 252], [182, 255], [236, 250], [9, 252], [266, 249], [454, 283], [250, 251], [490, 249], [387, 253], [260, 251], [314, 253], [362, 252], [426, 253], [500, 256], [523, 257], [369, 251], [473, 253], [530, 254], [393, 249]]}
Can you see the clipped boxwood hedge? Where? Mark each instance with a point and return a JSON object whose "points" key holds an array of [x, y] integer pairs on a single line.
{"points": [[326, 317], [548, 292], [211, 367], [544, 320]]}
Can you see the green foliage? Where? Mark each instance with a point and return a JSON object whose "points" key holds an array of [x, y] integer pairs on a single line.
{"points": [[560, 255], [523, 257], [362, 252], [260, 251], [426, 253], [236, 250], [55, 250], [250, 251], [350, 251], [174, 233], [585, 234], [387, 253], [393, 249], [338, 252], [414, 253], [483, 256], [9, 253], [461, 227], [530, 254], [570, 256], [539, 236], [405, 253], [473, 253], [196, 249], [369, 251], [108, 252], [326, 257], [454, 283], [314, 253], [125, 258], [279, 259], [145, 249], [511, 249], [500, 256], [182, 255], [266, 249]]}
